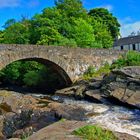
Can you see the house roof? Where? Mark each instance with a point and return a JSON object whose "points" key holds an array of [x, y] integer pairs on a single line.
{"points": [[127, 40]]}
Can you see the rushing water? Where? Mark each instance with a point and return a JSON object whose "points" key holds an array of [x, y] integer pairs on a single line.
{"points": [[116, 118]]}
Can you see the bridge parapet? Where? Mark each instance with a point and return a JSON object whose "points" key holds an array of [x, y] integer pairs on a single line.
{"points": [[72, 61]]}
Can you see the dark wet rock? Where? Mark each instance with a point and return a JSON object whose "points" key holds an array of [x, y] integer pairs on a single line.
{"points": [[123, 85], [131, 71], [70, 112], [120, 87], [80, 89], [70, 91], [95, 85], [14, 122], [74, 91]]}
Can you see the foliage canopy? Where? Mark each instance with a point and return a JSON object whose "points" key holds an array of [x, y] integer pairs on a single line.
{"points": [[67, 23]]}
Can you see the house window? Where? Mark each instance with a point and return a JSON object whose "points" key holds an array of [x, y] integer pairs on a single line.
{"points": [[134, 47], [121, 47]]}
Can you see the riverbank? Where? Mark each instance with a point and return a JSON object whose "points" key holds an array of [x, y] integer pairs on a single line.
{"points": [[94, 102], [35, 113]]}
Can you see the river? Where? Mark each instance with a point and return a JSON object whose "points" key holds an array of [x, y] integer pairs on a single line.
{"points": [[113, 117]]}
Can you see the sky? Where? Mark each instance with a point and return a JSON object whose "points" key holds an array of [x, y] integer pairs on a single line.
{"points": [[126, 11]]}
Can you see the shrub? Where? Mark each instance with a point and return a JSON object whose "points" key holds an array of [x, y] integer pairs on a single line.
{"points": [[91, 132], [131, 58], [92, 72], [68, 42]]}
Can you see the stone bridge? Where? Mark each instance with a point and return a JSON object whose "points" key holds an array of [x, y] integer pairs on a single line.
{"points": [[70, 63]]}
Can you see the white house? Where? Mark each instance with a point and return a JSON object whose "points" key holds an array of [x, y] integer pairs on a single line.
{"points": [[128, 43]]}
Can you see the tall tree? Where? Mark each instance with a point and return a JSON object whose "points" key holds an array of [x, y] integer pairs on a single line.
{"points": [[83, 33], [103, 15], [9, 22], [103, 38], [45, 27], [71, 8], [16, 34]]}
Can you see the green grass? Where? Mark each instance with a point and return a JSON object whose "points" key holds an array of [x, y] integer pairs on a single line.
{"points": [[62, 120], [25, 136], [91, 132]]}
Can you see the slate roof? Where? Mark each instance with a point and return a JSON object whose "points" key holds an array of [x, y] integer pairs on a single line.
{"points": [[127, 41]]}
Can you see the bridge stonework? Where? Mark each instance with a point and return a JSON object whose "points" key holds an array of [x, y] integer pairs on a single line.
{"points": [[69, 62]]}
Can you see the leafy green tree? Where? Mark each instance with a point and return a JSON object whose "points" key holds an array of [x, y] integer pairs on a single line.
{"points": [[104, 16], [103, 38], [16, 34], [31, 74], [9, 22], [65, 24], [11, 73], [71, 8], [83, 33], [32, 78], [1, 36], [45, 27]]}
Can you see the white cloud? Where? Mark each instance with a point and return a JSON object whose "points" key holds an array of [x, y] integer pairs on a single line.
{"points": [[108, 7], [128, 28], [9, 3]]}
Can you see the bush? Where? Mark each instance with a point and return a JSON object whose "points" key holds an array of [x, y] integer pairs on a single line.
{"points": [[90, 132], [92, 72], [68, 42], [131, 58]]}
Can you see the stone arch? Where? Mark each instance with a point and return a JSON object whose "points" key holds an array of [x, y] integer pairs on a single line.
{"points": [[72, 61], [55, 67]]}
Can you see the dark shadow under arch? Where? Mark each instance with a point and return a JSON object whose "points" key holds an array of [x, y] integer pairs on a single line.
{"points": [[52, 65], [65, 79]]}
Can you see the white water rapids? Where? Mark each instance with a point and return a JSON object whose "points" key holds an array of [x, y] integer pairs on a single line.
{"points": [[113, 117]]}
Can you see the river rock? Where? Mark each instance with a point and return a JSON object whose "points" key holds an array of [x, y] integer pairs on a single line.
{"points": [[61, 130], [123, 86], [94, 95], [125, 136], [81, 89], [70, 112], [74, 91], [70, 91], [23, 114]]}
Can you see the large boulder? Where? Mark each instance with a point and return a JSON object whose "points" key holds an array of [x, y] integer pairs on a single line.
{"points": [[70, 112], [123, 86], [62, 130], [83, 90], [23, 114]]}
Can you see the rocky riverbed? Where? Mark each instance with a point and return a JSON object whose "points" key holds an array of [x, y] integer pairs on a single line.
{"points": [[112, 102]]}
